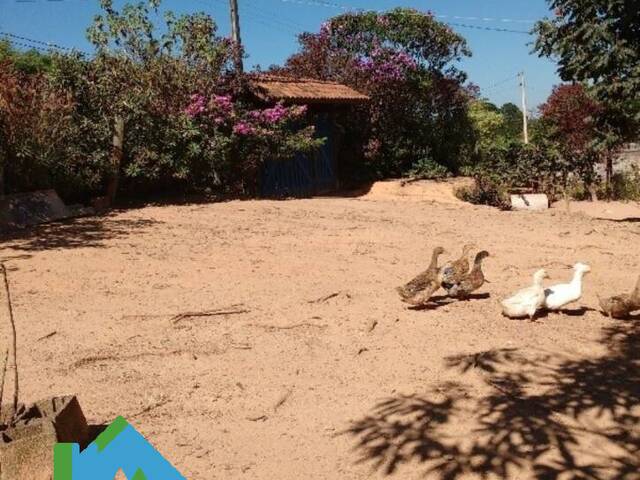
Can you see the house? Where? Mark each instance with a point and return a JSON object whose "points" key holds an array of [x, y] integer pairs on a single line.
{"points": [[303, 176]]}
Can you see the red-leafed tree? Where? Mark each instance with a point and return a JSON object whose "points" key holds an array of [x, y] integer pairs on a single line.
{"points": [[569, 122], [571, 112]]}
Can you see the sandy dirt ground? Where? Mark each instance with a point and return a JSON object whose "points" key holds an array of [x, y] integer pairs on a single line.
{"points": [[318, 371]]}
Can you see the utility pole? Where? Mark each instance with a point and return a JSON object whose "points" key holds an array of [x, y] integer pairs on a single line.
{"points": [[235, 36], [525, 126]]}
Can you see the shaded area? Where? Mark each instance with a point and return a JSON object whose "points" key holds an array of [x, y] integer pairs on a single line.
{"points": [[622, 220], [438, 301], [84, 232], [543, 416]]}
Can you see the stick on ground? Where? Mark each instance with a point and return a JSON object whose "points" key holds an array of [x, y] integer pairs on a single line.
{"points": [[16, 391], [281, 401], [209, 313], [4, 373], [325, 298], [48, 335]]}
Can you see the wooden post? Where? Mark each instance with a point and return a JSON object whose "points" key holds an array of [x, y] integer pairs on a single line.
{"points": [[235, 36], [117, 154], [525, 127]]}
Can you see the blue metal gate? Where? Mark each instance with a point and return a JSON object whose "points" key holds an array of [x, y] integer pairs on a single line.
{"points": [[302, 176]]}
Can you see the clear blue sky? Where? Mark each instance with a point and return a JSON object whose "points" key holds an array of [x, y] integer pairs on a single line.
{"points": [[269, 29]]}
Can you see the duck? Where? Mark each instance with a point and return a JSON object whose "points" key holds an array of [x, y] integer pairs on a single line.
{"points": [[453, 272], [470, 282], [621, 306], [563, 294], [423, 286], [526, 302]]}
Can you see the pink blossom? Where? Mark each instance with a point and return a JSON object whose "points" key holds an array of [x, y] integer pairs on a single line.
{"points": [[196, 107], [275, 114], [223, 102], [243, 128]]}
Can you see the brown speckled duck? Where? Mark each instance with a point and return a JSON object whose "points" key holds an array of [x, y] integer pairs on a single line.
{"points": [[453, 272], [621, 306], [422, 287], [470, 282]]}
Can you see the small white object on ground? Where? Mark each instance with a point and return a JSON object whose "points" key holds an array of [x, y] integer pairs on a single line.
{"points": [[530, 201]]}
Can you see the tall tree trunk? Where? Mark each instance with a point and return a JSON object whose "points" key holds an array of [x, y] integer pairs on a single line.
{"points": [[1, 174], [609, 175], [117, 154], [3, 165]]}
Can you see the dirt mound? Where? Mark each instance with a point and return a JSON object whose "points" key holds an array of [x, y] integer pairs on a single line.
{"points": [[418, 191]]}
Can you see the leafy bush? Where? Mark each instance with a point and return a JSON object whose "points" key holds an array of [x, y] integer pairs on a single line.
{"points": [[626, 185], [426, 168], [40, 136], [504, 168]]}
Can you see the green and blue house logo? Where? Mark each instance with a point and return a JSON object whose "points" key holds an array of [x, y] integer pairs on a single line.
{"points": [[119, 447]]}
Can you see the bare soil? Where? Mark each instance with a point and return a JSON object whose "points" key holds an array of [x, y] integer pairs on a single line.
{"points": [[307, 365]]}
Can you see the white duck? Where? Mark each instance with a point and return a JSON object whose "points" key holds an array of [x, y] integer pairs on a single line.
{"points": [[526, 302], [558, 296]]}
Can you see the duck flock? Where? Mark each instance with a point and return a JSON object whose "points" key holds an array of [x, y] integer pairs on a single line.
{"points": [[459, 281]]}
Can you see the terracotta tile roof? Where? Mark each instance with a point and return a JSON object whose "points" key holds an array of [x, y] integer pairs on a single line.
{"points": [[306, 90]]}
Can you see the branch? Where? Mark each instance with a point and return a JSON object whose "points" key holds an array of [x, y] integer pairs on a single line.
{"points": [[16, 390], [4, 372], [209, 313]]}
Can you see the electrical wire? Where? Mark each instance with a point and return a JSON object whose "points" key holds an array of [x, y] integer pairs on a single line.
{"points": [[19, 40], [493, 86]]}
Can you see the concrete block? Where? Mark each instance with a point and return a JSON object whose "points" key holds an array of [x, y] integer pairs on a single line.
{"points": [[26, 447], [530, 201]]}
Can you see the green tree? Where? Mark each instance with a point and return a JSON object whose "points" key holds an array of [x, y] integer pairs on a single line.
{"points": [[598, 42], [29, 61], [512, 127], [142, 80], [488, 124]]}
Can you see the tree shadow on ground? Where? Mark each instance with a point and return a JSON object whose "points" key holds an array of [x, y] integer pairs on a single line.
{"points": [[542, 416], [622, 220], [83, 232]]}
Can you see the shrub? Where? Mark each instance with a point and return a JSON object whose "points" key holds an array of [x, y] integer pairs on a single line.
{"points": [[626, 185], [504, 168], [427, 168]]}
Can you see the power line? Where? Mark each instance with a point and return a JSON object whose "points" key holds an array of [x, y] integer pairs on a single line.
{"points": [[27, 46], [491, 29], [323, 3], [488, 19], [493, 86], [351, 8], [18, 39], [277, 19]]}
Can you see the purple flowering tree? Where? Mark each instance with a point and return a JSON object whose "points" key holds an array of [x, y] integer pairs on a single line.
{"points": [[243, 137], [405, 61]]}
